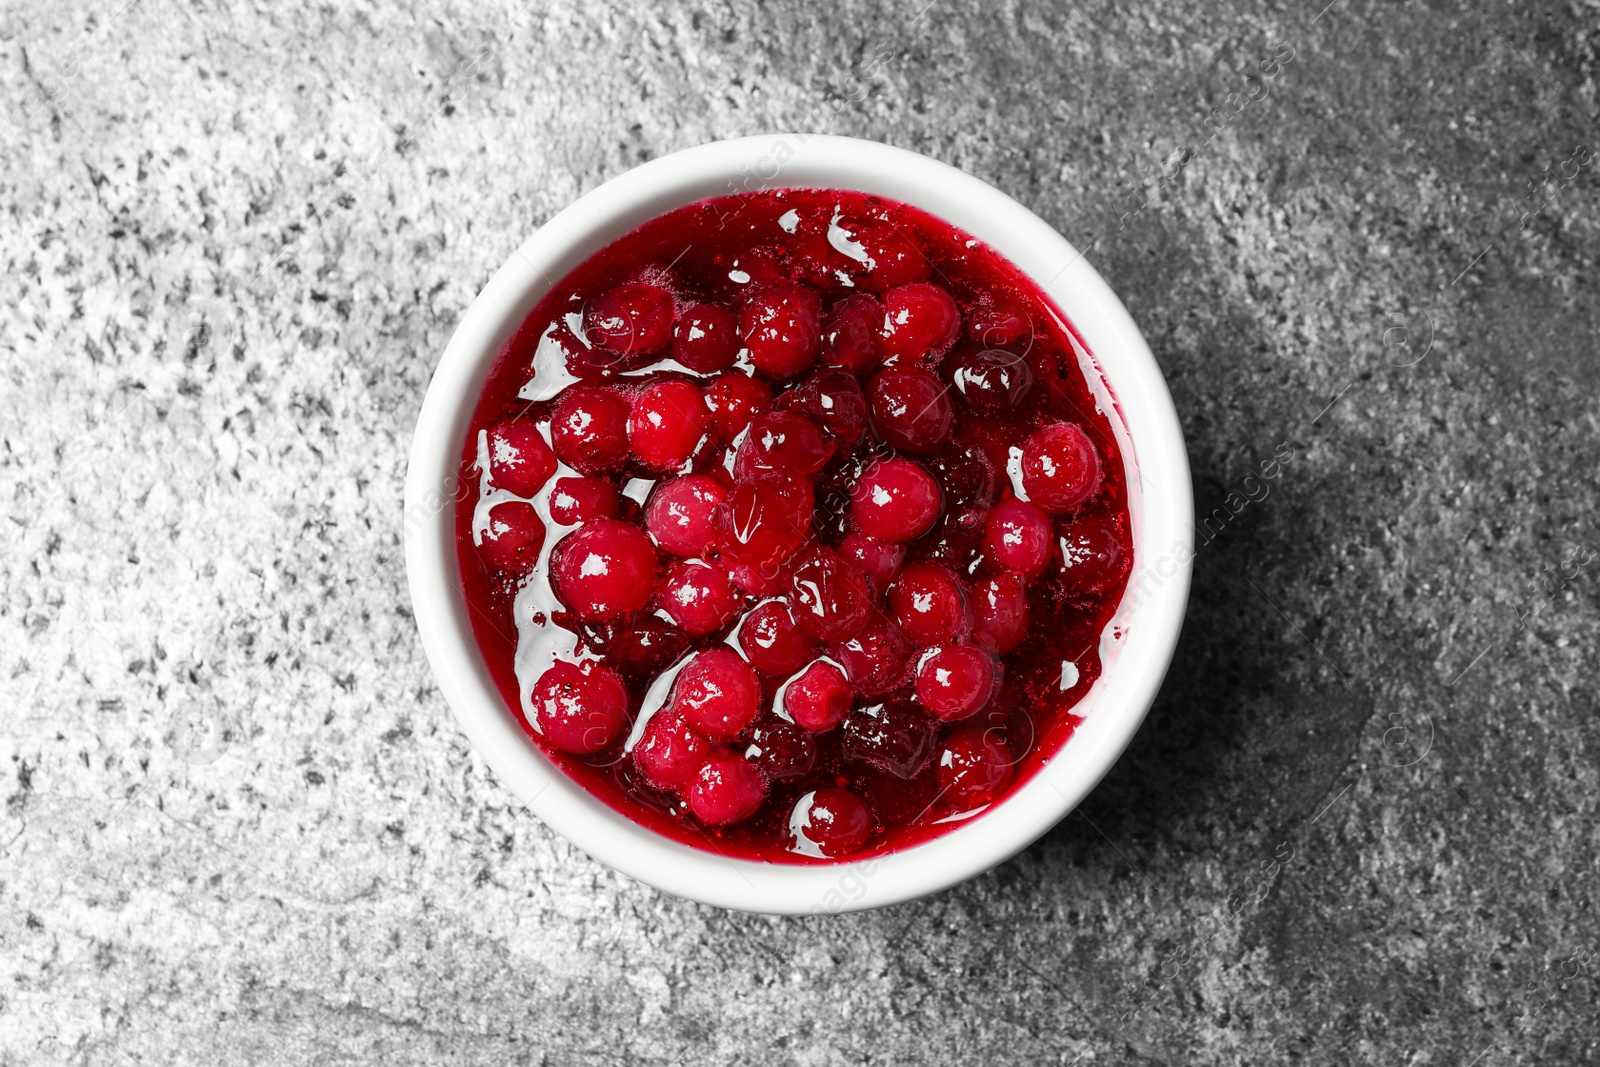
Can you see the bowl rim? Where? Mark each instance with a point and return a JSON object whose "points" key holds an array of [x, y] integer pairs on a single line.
{"points": [[1150, 616]]}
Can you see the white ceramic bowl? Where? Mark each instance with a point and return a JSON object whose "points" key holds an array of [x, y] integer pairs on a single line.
{"points": [[1142, 415]]}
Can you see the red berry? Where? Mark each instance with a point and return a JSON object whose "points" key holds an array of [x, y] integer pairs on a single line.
{"points": [[763, 522], [911, 409], [992, 381], [589, 428], [1093, 557], [877, 659], [734, 399], [519, 459], [726, 789], [1060, 467], [763, 581], [819, 698], [667, 422], [832, 399], [850, 334], [513, 536], [779, 327], [893, 738], [974, 767], [754, 269], [575, 501], [918, 318], [631, 318], [782, 750], [1000, 325], [929, 605], [1018, 537], [781, 441], [669, 752], [879, 560], [772, 642], [699, 597], [717, 693], [831, 822], [893, 258], [645, 645], [681, 514], [896, 500], [706, 339], [831, 596], [605, 568], [814, 261], [955, 681], [580, 710], [1000, 611]]}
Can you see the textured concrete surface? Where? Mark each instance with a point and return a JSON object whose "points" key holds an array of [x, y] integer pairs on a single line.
{"points": [[1360, 825]]}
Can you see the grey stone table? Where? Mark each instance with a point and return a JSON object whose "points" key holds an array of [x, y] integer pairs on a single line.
{"points": [[1359, 825]]}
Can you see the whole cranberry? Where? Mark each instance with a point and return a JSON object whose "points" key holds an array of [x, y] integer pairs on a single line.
{"points": [[1060, 466], [519, 459], [974, 766], [1018, 537], [919, 318], [512, 538], [1092, 555], [879, 560], [877, 659], [911, 409], [779, 326], [814, 261], [991, 380], [669, 752], [589, 428], [893, 738], [929, 605], [645, 644], [1000, 611], [781, 750], [699, 597], [763, 580], [896, 500], [706, 338], [606, 568], [632, 318], [762, 522], [831, 596], [1001, 324], [819, 698], [667, 422], [781, 441], [753, 269], [577, 500], [580, 710], [893, 258], [681, 514], [772, 642], [954, 681], [717, 693], [850, 334], [831, 821], [832, 399], [735, 399], [726, 789]]}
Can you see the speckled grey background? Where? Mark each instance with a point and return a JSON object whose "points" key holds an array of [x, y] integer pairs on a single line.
{"points": [[1381, 257]]}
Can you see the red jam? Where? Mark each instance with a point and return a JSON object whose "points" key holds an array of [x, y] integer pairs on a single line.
{"points": [[796, 526]]}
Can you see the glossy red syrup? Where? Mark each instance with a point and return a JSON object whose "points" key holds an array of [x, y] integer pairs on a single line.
{"points": [[795, 527]]}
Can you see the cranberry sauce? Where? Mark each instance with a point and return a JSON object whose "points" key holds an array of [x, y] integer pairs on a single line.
{"points": [[795, 526]]}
